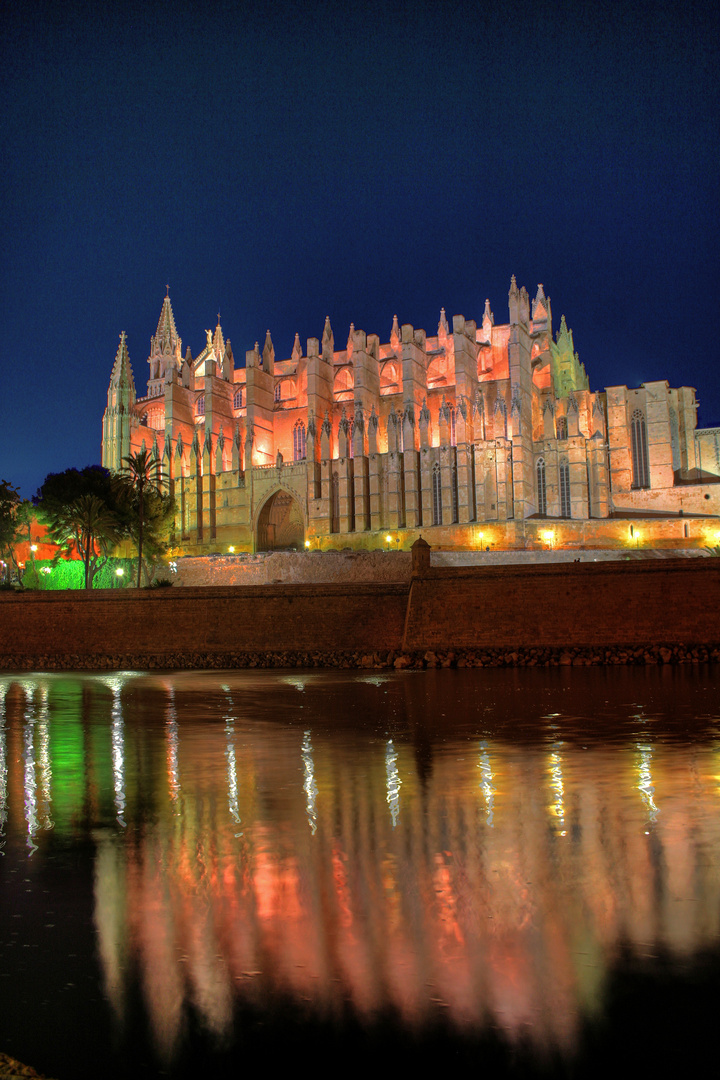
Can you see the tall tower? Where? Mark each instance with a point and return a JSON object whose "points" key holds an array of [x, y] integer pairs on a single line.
{"points": [[165, 350], [119, 419]]}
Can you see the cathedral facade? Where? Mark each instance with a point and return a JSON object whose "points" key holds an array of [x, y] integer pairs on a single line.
{"points": [[483, 435]]}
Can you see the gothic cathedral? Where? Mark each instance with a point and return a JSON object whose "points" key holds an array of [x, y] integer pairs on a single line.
{"points": [[484, 435]]}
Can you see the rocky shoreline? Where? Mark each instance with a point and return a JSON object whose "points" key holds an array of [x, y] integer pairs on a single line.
{"points": [[569, 656]]}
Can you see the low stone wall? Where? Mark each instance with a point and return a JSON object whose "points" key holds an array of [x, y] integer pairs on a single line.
{"points": [[294, 568], [314, 567]]}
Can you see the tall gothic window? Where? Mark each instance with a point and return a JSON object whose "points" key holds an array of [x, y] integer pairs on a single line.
{"points": [[299, 446], [562, 427], [453, 433], [437, 495], [565, 490], [675, 440], [335, 503], [201, 406], [541, 489], [454, 491], [278, 391], [237, 400], [641, 468], [351, 439]]}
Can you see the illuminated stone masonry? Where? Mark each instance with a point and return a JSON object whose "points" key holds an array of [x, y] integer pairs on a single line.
{"points": [[483, 436]]}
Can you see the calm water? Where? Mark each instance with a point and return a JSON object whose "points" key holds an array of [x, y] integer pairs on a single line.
{"points": [[513, 871]]}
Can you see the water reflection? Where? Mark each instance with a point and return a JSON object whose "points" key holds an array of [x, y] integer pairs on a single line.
{"points": [[438, 847]]}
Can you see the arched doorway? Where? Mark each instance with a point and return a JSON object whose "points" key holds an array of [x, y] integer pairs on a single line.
{"points": [[280, 524]]}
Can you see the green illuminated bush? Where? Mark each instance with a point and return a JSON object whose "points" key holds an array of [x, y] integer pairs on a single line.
{"points": [[70, 574]]}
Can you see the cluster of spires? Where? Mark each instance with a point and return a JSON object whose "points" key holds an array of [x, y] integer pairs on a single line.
{"points": [[167, 342]]}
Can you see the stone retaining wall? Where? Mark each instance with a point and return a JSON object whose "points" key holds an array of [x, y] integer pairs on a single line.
{"points": [[605, 610], [581, 604]]}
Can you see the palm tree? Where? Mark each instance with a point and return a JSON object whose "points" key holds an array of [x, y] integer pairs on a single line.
{"points": [[92, 528], [144, 472]]}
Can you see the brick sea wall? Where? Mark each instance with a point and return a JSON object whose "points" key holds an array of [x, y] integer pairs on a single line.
{"points": [[503, 611]]}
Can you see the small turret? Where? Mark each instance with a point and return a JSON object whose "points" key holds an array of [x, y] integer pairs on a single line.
{"points": [[218, 341], [395, 336], [268, 355], [328, 341], [487, 323], [541, 315]]}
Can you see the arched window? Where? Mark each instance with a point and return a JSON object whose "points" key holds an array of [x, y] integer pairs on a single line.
{"points": [[541, 490], [562, 427], [641, 468], [453, 434], [565, 489], [237, 400], [299, 446], [437, 495], [335, 503], [278, 391], [201, 406]]}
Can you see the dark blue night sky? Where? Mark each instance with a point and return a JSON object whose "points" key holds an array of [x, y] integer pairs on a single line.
{"points": [[280, 162]]}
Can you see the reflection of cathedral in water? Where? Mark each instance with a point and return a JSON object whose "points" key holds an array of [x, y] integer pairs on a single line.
{"points": [[493, 885]]}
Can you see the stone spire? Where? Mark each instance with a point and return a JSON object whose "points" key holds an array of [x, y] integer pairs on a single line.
{"points": [[219, 340], [122, 376], [443, 328], [119, 419], [166, 340]]}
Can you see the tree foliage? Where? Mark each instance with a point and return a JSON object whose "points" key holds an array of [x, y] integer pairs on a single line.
{"points": [[90, 511], [9, 503], [89, 527], [83, 514]]}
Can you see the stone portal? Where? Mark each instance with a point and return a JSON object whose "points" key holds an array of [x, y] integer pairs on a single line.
{"points": [[280, 525]]}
